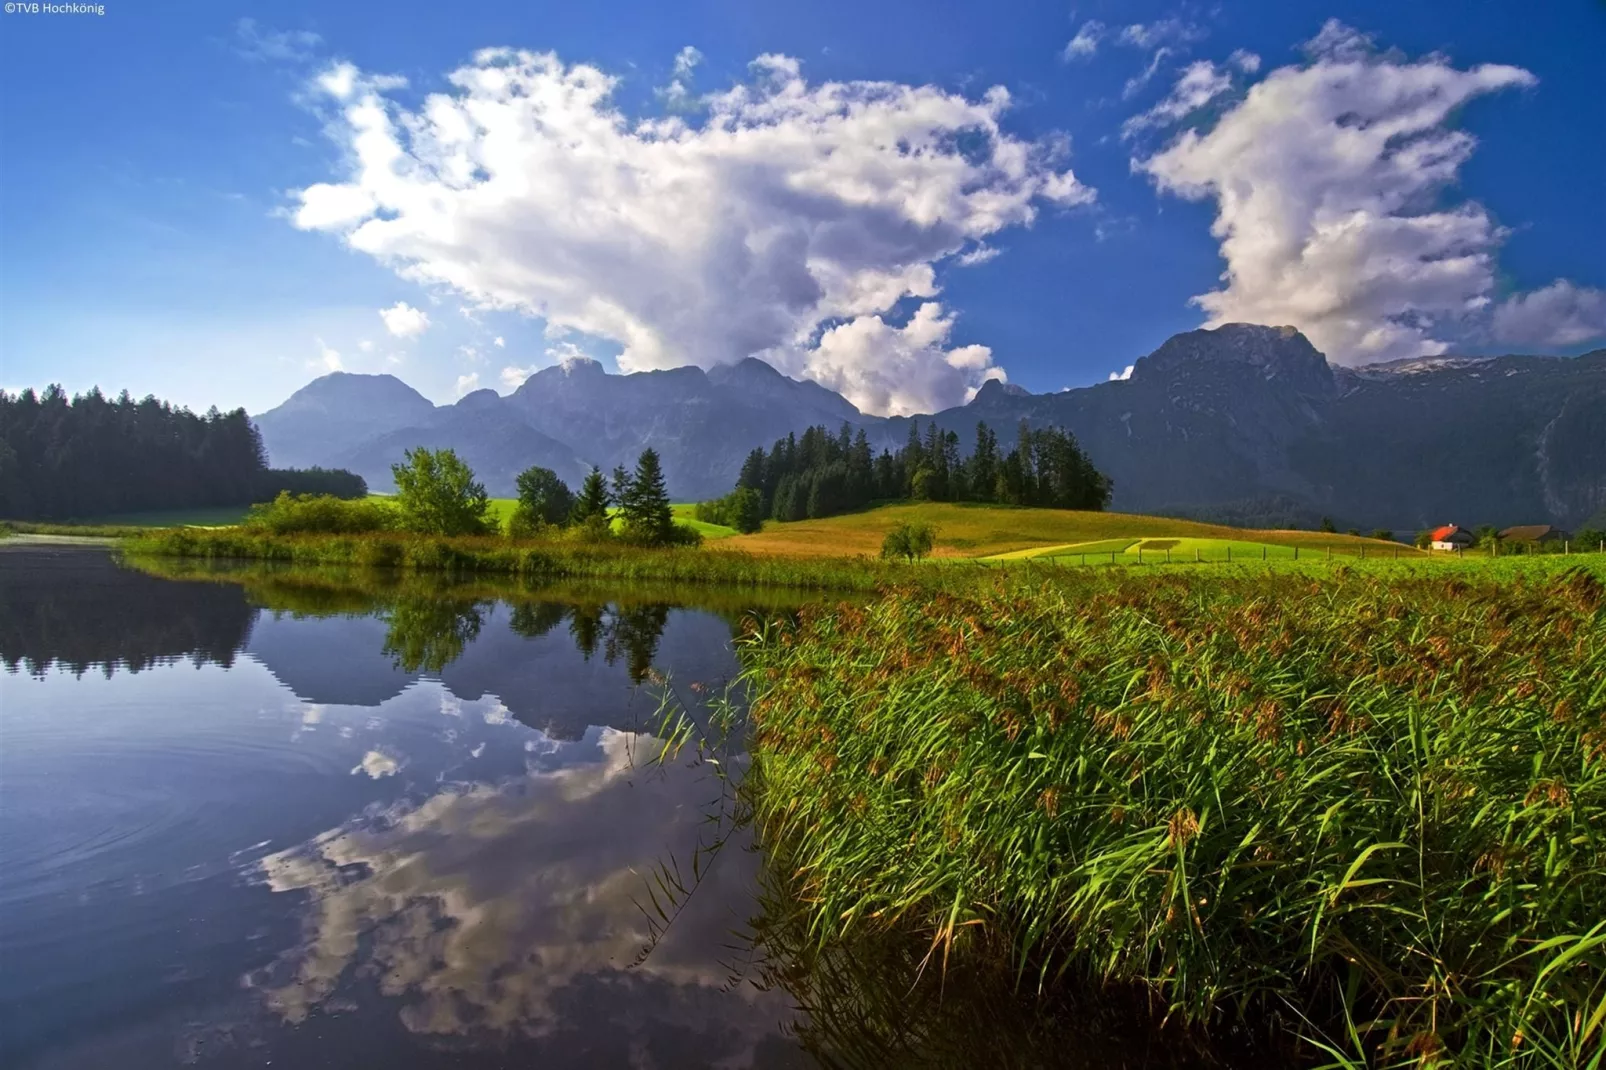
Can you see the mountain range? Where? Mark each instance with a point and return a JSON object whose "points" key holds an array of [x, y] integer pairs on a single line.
{"points": [[1241, 424]]}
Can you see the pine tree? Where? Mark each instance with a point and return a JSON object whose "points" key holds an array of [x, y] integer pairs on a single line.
{"points": [[594, 498], [645, 503]]}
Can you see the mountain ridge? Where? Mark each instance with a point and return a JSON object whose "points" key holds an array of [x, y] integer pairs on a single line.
{"points": [[1243, 420]]}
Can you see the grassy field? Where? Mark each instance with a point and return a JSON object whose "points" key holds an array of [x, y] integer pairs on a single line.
{"points": [[206, 517], [1182, 550], [974, 530], [1365, 805]]}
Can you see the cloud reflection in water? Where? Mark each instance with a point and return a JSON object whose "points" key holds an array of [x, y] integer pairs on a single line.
{"points": [[488, 907]]}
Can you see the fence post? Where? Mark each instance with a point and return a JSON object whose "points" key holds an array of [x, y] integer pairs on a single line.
{"points": [[1168, 555], [1296, 553], [1229, 553], [1263, 551], [1112, 557], [1566, 546], [1329, 553]]}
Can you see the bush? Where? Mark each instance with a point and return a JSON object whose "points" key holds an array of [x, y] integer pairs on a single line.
{"points": [[909, 541], [522, 523], [437, 494], [295, 513], [684, 535], [595, 528]]}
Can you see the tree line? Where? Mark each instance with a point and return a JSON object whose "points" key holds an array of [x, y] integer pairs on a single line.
{"points": [[438, 494], [821, 474], [91, 456]]}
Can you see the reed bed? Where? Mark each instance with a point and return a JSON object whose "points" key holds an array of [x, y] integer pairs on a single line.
{"points": [[1365, 810], [541, 560]]}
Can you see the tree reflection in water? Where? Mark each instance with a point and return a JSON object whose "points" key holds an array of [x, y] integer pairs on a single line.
{"points": [[425, 634]]}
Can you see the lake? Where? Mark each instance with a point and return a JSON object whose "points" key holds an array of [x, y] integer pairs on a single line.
{"points": [[270, 820]]}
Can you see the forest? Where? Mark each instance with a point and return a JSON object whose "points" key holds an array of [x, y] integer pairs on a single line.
{"points": [[90, 456], [821, 474]]}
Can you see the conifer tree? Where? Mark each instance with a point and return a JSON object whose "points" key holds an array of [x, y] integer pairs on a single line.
{"points": [[594, 498], [645, 503]]}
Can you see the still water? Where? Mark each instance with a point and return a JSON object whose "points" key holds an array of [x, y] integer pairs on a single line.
{"points": [[257, 821]]}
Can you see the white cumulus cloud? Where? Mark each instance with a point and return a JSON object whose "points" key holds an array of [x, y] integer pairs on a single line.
{"points": [[1560, 314], [1324, 178], [467, 384], [404, 321], [791, 212], [894, 370], [499, 342]]}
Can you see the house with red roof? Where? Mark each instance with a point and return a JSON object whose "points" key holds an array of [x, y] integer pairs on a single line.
{"points": [[1450, 537]]}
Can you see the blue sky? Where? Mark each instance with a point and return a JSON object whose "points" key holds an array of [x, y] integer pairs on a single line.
{"points": [[181, 213]]}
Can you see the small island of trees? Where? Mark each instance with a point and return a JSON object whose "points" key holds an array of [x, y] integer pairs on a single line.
{"points": [[821, 474]]}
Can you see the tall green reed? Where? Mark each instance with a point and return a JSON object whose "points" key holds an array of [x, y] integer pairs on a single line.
{"points": [[1367, 807]]}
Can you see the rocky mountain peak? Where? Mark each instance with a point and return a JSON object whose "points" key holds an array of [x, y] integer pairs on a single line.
{"points": [[1280, 353], [993, 389]]}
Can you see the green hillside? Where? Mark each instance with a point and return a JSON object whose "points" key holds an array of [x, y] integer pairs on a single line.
{"points": [[993, 531]]}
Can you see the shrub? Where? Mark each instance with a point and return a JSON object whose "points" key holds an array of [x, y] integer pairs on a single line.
{"points": [[437, 494], [595, 528], [684, 535], [522, 523], [324, 513], [909, 541]]}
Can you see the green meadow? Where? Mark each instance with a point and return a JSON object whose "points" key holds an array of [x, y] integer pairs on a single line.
{"points": [[974, 530]]}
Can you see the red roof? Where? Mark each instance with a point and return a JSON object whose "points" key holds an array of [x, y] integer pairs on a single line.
{"points": [[1440, 534]]}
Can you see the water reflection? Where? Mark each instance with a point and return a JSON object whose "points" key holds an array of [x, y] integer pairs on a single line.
{"points": [[63, 606], [498, 907], [380, 821]]}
